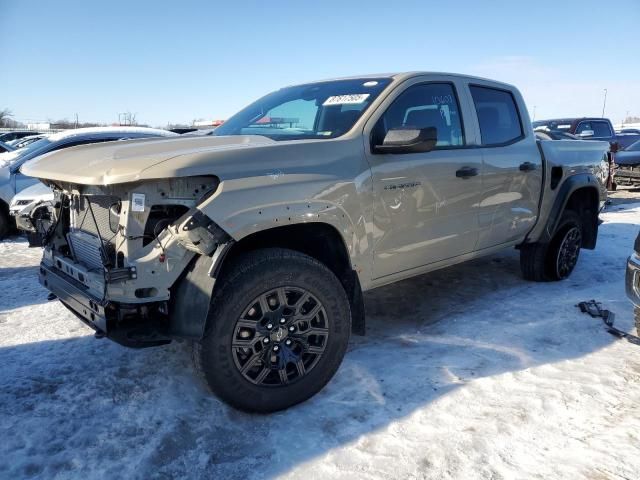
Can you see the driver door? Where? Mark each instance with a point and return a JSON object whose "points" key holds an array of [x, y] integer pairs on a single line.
{"points": [[426, 204]]}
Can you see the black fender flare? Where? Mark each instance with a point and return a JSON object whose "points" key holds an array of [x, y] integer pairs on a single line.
{"points": [[568, 188]]}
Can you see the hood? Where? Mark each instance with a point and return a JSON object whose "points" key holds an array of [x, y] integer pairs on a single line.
{"points": [[39, 192], [627, 158], [132, 160], [8, 158]]}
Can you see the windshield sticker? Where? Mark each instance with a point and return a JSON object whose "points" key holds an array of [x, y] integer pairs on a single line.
{"points": [[137, 202], [354, 99], [371, 83]]}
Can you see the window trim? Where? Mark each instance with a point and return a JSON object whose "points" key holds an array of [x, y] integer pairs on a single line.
{"points": [[522, 135], [460, 115]]}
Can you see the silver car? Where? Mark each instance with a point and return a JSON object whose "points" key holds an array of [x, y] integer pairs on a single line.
{"points": [[12, 181]]}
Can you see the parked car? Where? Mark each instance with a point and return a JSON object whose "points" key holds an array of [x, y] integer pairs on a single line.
{"points": [[633, 281], [628, 166], [630, 131], [8, 136], [543, 133], [588, 129], [5, 147], [24, 141], [24, 202], [12, 181], [256, 243]]}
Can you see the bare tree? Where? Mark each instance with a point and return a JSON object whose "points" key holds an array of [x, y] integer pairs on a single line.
{"points": [[5, 115]]}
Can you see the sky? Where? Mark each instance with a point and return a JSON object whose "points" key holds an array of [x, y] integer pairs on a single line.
{"points": [[173, 62]]}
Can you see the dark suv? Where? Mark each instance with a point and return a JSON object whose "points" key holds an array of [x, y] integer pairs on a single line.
{"points": [[588, 128]]}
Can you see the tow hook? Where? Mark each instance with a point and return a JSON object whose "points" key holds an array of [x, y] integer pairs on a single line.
{"points": [[51, 296], [98, 335]]}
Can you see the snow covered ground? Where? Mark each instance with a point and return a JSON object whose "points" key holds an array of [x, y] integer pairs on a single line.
{"points": [[469, 372]]}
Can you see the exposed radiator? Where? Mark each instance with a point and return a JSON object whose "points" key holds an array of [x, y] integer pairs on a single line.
{"points": [[87, 249], [92, 220], [107, 222]]}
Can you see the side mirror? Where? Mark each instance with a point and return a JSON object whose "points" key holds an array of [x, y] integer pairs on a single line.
{"points": [[586, 133], [408, 140]]}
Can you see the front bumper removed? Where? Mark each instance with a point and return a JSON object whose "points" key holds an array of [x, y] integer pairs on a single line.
{"points": [[131, 325]]}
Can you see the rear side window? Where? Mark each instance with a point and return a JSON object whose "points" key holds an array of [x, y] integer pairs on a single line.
{"points": [[497, 115], [599, 128]]}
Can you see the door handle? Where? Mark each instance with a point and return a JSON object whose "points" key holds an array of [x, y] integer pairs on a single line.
{"points": [[466, 172], [527, 166]]}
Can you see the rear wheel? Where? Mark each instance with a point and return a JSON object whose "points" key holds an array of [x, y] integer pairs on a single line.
{"points": [[277, 331], [557, 259]]}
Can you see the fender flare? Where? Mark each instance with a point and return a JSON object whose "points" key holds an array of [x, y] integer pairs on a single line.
{"points": [[568, 188]]}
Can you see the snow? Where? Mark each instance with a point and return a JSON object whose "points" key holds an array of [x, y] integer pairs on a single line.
{"points": [[91, 130], [469, 372]]}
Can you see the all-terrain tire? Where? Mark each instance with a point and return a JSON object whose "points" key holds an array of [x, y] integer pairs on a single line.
{"points": [[253, 276], [5, 224], [540, 262]]}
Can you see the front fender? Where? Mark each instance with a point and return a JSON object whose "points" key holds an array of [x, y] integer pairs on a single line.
{"points": [[241, 211]]}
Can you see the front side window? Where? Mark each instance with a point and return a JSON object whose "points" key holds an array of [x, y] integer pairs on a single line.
{"points": [[497, 115], [423, 106], [599, 128], [312, 111]]}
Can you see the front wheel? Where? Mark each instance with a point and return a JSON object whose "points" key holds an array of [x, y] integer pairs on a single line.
{"points": [[277, 331]]}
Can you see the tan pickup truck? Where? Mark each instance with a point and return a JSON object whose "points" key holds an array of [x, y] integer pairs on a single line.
{"points": [[257, 242]]}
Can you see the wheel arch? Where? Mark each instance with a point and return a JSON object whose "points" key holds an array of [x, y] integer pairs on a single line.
{"points": [[579, 193], [319, 240]]}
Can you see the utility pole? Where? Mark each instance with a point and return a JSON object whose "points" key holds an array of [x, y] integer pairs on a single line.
{"points": [[76, 120], [534, 113], [604, 104]]}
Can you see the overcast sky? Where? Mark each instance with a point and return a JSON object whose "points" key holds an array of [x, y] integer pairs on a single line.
{"points": [[177, 61]]}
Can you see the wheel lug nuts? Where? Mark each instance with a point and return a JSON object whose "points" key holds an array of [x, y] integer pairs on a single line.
{"points": [[269, 326], [292, 328], [276, 348], [288, 342], [265, 340], [282, 320]]}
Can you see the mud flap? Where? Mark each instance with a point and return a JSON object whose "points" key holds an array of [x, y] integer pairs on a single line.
{"points": [[191, 300]]}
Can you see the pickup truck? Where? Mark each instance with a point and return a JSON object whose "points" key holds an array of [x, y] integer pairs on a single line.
{"points": [[257, 242], [588, 128]]}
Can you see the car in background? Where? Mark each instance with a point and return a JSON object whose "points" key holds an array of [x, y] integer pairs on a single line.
{"points": [[14, 135], [588, 128], [630, 131], [628, 166], [12, 181], [5, 147], [633, 280], [24, 141]]}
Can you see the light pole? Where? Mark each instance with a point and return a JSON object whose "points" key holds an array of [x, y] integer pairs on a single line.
{"points": [[534, 113], [604, 104]]}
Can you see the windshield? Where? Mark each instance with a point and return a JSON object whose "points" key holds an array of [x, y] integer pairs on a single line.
{"points": [[316, 110], [634, 147], [24, 153], [561, 125]]}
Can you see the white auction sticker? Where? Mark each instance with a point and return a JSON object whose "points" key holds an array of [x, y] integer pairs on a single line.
{"points": [[353, 99], [137, 202]]}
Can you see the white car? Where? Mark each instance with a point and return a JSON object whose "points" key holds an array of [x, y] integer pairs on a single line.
{"points": [[23, 204]]}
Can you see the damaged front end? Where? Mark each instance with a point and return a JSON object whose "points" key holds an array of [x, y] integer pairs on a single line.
{"points": [[118, 256]]}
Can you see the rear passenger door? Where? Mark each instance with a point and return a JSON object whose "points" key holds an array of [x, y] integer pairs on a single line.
{"points": [[512, 166]]}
